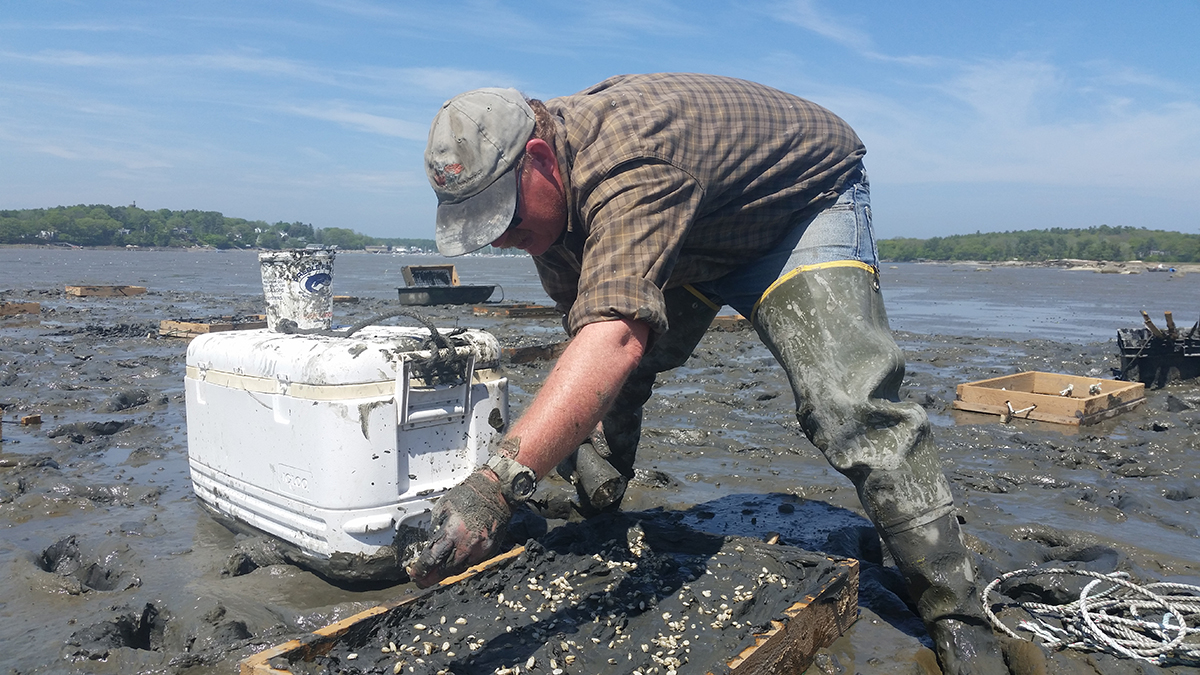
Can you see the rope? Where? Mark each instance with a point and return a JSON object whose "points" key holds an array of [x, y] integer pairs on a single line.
{"points": [[1117, 620], [444, 364]]}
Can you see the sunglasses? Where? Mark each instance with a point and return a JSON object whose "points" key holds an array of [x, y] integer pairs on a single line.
{"points": [[516, 220]]}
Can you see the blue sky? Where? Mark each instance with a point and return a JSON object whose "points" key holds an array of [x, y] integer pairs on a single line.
{"points": [[976, 116]]}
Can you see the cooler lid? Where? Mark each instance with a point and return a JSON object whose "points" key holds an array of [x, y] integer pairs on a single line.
{"points": [[373, 354]]}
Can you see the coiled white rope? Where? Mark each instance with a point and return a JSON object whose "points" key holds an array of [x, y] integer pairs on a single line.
{"points": [[1116, 620]]}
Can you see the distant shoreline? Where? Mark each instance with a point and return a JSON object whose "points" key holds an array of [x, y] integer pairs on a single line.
{"points": [[1071, 264]]}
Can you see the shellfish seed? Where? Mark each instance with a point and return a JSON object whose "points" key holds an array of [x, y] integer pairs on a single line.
{"points": [[445, 646], [392, 647], [398, 667], [453, 630], [460, 621], [646, 648], [707, 594], [530, 663], [419, 626], [443, 619]]}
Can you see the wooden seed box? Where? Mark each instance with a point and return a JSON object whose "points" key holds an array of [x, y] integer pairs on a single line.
{"points": [[105, 291], [1050, 397], [824, 609], [14, 308], [190, 329], [516, 311]]}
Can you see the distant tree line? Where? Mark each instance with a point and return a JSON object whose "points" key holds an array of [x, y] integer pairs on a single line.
{"points": [[101, 225], [1094, 243]]}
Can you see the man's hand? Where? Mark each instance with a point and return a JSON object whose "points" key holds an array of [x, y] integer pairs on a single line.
{"points": [[469, 523]]}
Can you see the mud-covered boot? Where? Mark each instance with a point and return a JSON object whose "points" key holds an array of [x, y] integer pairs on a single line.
{"points": [[940, 577], [827, 326], [688, 317]]}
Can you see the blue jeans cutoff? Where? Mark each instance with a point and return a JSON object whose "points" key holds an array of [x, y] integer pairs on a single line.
{"points": [[841, 231]]}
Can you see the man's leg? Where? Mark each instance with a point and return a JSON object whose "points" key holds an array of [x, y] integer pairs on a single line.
{"points": [[826, 325]]}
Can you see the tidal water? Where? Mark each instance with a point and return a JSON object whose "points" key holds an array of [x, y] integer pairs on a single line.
{"points": [[949, 299]]}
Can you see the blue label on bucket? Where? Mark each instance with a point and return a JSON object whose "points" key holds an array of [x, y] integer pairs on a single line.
{"points": [[315, 282]]}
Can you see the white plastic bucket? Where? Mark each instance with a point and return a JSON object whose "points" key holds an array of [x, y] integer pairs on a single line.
{"points": [[298, 285]]}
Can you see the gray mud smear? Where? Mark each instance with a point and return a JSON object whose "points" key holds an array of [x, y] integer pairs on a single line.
{"points": [[108, 467]]}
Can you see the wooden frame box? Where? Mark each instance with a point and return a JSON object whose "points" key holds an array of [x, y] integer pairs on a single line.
{"points": [[105, 291], [516, 311], [190, 329], [1050, 397], [820, 615], [15, 308]]}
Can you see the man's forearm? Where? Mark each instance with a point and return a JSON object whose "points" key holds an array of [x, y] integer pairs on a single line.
{"points": [[578, 392]]}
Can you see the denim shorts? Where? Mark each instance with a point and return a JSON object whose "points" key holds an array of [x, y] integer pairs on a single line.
{"points": [[841, 231]]}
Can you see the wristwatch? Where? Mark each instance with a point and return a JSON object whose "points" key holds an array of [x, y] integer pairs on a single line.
{"points": [[517, 481]]}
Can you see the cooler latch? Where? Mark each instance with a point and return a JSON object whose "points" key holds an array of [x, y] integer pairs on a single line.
{"points": [[426, 406]]}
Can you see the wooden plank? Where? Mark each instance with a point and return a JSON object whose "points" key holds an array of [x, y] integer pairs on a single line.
{"points": [[105, 291], [813, 623], [789, 646], [346, 299], [14, 308], [190, 329], [1044, 393], [30, 420], [516, 311], [534, 353]]}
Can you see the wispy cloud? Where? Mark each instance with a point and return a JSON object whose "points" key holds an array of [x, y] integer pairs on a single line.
{"points": [[362, 121], [807, 15]]}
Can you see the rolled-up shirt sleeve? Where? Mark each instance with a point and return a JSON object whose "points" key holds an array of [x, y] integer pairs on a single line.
{"points": [[637, 220]]}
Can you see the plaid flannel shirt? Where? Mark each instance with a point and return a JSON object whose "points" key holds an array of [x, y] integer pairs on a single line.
{"points": [[679, 178]]}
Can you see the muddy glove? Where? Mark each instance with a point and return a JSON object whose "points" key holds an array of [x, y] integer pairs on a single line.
{"points": [[469, 523]]}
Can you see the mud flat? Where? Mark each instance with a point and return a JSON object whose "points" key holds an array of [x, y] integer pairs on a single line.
{"points": [[110, 566]]}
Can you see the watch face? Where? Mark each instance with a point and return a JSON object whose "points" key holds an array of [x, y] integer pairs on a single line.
{"points": [[523, 485]]}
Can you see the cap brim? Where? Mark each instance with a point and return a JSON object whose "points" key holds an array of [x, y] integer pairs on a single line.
{"points": [[471, 224]]}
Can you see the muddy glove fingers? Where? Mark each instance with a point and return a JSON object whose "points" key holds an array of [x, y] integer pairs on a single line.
{"points": [[469, 523]]}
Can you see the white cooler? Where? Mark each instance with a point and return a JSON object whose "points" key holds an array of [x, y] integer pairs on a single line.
{"points": [[338, 446]]}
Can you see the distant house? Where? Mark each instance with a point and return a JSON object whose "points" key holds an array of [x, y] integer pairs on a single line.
{"points": [[377, 249]]}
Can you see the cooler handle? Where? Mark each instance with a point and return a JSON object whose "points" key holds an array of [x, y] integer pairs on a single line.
{"points": [[433, 406]]}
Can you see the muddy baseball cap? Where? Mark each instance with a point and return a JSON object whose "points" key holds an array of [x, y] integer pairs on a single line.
{"points": [[474, 143]]}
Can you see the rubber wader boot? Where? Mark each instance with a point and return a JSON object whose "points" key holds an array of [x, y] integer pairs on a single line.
{"points": [[688, 317], [826, 325]]}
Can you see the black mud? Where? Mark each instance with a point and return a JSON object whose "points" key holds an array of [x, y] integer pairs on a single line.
{"points": [[612, 595], [110, 566]]}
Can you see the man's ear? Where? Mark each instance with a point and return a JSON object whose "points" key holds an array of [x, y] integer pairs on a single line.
{"points": [[543, 156]]}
